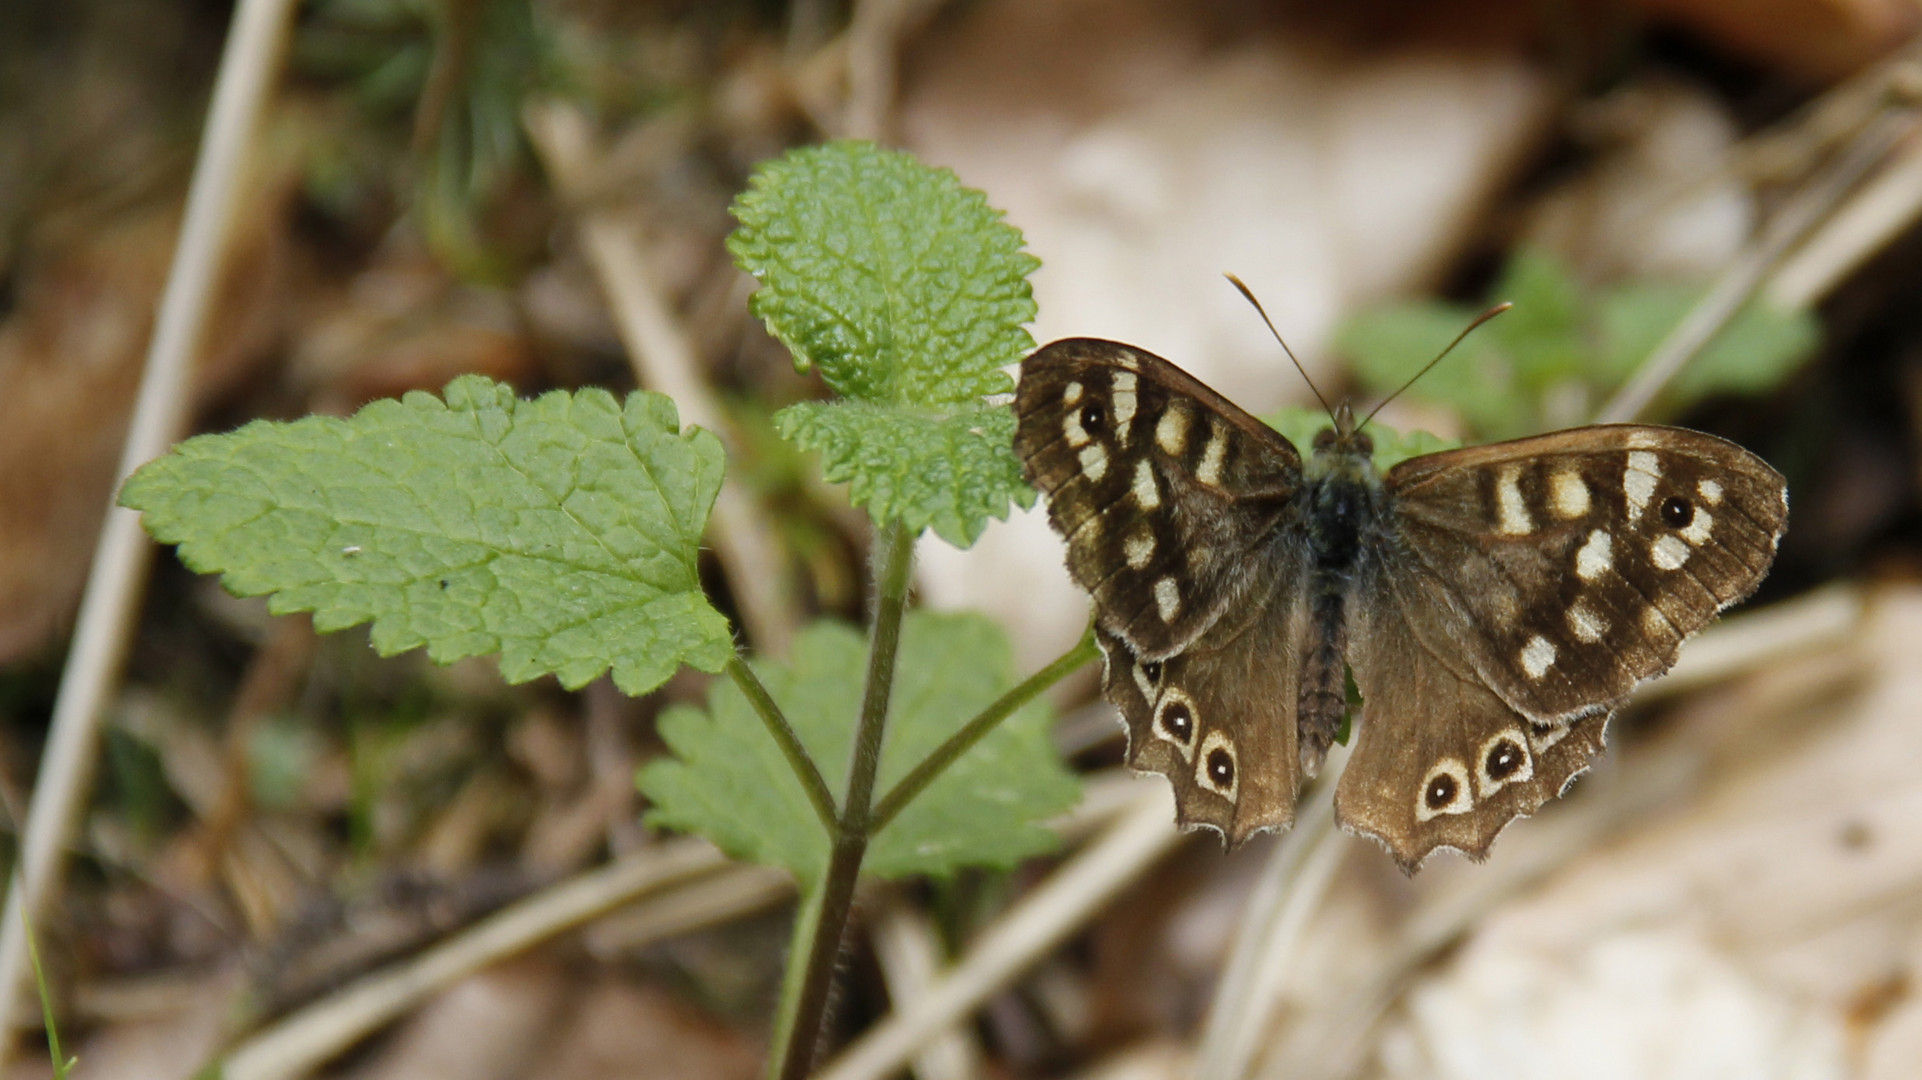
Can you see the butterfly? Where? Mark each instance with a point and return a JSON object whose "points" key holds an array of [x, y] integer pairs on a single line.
{"points": [[1495, 604]]}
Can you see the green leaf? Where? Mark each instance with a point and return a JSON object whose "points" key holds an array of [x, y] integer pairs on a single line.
{"points": [[1754, 352], [1299, 425], [948, 473], [1542, 334], [730, 783], [560, 532], [1478, 380], [899, 284]]}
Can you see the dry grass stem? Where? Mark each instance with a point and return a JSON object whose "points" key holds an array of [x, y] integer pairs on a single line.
{"points": [[304, 1040], [1021, 936], [248, 67]]}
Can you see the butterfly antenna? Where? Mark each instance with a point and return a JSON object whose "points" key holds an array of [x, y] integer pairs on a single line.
{"points": [[1250, 297], [1479, 319]]}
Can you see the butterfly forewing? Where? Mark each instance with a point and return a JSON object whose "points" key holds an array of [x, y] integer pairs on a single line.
{"points": [[1574, 564], [1161, 487]]}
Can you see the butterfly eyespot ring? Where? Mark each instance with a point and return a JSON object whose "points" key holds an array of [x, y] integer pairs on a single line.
{"points": [[1093, 416], [1175, 721], [1152, 669], [1445, 790], [1677, 512]]}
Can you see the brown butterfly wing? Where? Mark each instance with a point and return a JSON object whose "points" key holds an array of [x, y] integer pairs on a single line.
{"points": [[1576, 563], [1161, 487], [1218, 718], [1524, 589]]}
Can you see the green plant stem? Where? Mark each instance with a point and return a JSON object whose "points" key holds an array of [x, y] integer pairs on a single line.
{"points": [[963, 740], [784, 737], [893, 556]]}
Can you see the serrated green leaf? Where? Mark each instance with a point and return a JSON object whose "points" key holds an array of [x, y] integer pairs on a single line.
{"points": [[1542, 334], [948, 473], [899, 284], [560, 532], [728, 781], [1300, 425], [1755, 351], [1389, 345]]}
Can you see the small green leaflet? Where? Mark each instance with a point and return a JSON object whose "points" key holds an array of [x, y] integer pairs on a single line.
{"points": [[909, 294], [728, 781], [560, 532], [949, 474], [1562, 350]]}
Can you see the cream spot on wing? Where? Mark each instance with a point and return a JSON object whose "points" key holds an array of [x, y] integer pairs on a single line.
{"points": [[1211, 458], [1503, 759], [1444, 791], [1698, 527], [1537, 656], [1568, 494], [1710, 491], [1541, 740], [1655, 624], [1669, 552], [1596, 557], [1143, 683], [1638, 482], [1127, 360], [1642, 440], [1167, 598], [1094, 462], [1199, 556], [1509, 507], [1072, 394], [1147, 492], [1139, 547], [1216, 768], [1585, 624], [1171, 431], [1124, 405], [1071, 427]]}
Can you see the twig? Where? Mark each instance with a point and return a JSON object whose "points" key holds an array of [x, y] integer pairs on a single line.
{"points": [[305, 1039], [978, 728], [1740, 281], [1268, 941], [1021, 936], [1330, 1042], [1885, 208], [910, 957], [121, 557], [664, 360]]}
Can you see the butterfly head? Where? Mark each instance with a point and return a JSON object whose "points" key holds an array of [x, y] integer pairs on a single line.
{"points": [[1345, 441]]}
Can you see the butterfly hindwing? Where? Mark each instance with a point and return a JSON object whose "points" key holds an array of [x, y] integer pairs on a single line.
{"points": [[1160, 486], [1218, 719], [1440, 760]]}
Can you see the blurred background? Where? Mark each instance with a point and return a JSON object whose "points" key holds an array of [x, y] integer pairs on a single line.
{"points": [[538, 191]]}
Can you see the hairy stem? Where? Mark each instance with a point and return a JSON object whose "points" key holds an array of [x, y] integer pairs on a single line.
{"points": [[784, 737], [990, 718], [893, 554]]}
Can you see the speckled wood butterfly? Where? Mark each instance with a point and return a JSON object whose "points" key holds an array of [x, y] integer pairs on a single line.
{"points": [[1495, 603]]}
